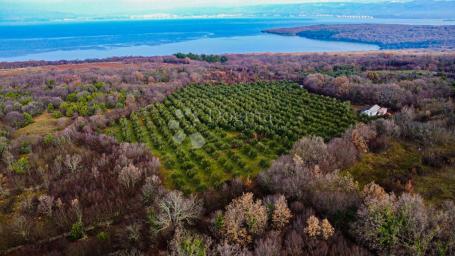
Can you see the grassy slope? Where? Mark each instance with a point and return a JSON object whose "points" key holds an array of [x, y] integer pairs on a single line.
{"points": [[402, 162], [42, 125]]}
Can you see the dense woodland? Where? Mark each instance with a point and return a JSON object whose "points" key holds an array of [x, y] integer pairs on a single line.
{"points": [[386, 36], [85, 162]]}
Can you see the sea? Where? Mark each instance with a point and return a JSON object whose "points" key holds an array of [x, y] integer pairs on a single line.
{"points": [[103, 39]]}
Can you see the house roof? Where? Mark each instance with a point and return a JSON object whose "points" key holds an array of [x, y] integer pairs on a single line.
{"points": [[375, 108]]}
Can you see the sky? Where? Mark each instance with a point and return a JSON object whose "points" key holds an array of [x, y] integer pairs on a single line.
{"points": [[66, 10], [84, 6]]}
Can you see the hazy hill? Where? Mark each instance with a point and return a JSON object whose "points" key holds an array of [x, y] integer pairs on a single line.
{"points": [[413, 9], [393, 9]]}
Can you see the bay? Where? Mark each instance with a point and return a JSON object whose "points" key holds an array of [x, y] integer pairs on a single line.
{"points": [[102, 39]]}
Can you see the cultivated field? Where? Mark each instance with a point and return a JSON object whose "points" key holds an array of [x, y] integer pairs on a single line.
{"points": [[205, 135]]}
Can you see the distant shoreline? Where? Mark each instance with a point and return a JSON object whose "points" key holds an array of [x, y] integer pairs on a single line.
{"points": [[386, 36], [208, 45], [98, 40], [346, 40], [5, 66]]}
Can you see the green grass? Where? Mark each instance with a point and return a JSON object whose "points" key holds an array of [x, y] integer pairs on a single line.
{"points": [[42, 125], [395, 161], [404, 161], [243, 128]]}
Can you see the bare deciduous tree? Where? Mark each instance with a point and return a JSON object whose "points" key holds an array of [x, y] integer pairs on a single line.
{"points": [[72, 162], [175, 210], [45, 205], [129, 176]]}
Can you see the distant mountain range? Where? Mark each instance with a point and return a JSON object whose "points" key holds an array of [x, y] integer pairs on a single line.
{"points": [[414, 9], [419, 9]]}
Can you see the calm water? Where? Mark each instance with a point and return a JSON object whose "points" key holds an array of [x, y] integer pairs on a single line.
{"points": [[162, 37]]}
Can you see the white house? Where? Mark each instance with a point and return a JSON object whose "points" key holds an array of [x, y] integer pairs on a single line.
{"points": [[375, 110]]}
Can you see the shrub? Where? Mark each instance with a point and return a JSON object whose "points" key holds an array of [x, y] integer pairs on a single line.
{"points": [[189, 244], [21, 166], [15, 119], [3, 144], [28, 118], [57, 114], [218, 222], [77, 231], [50, 108], [102, 236], [49, 139], [25, 148], [252, 153], [263, 163]]}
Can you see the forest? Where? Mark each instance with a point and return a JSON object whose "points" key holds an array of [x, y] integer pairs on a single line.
{"points": [[264, 154], [203, 57], [386, 36]]}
